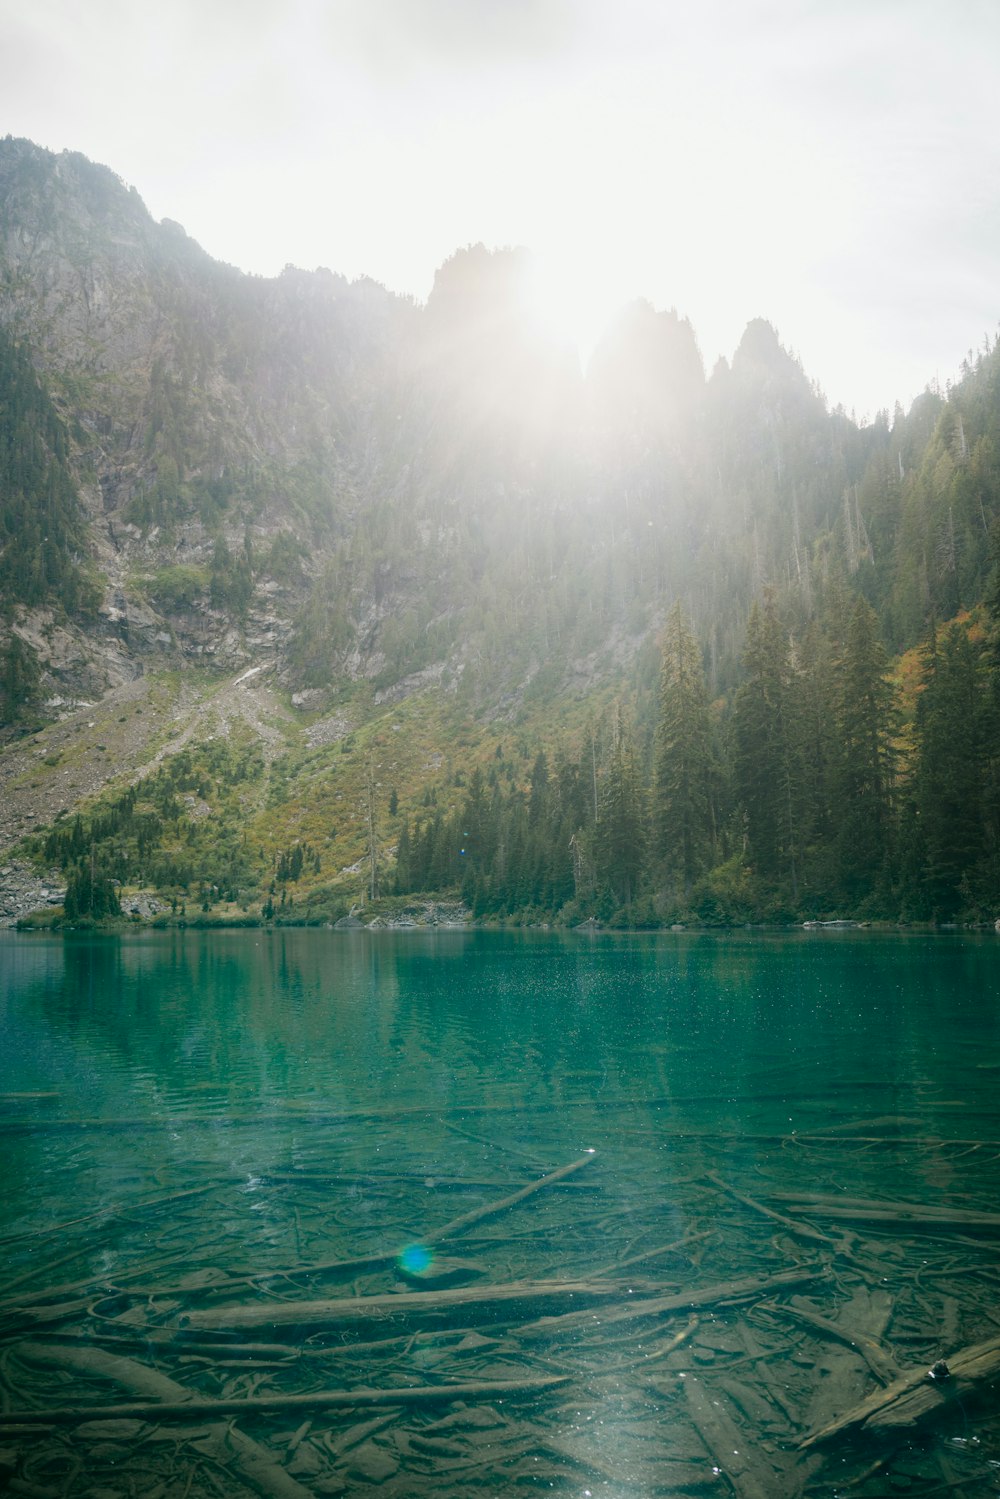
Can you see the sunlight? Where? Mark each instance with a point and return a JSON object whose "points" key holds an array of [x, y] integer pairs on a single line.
{"points": [[573, 301]]}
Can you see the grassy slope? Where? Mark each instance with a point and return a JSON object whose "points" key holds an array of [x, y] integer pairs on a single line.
{"points": [[311, 783]]}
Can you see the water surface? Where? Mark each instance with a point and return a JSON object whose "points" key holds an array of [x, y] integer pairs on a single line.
{"points": [[340, 1095]]}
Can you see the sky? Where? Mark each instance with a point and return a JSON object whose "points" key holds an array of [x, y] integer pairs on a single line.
{"points": [[830, 165]]}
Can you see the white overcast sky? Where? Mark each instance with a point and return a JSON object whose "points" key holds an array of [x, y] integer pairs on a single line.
{"points": [[831, 165]]}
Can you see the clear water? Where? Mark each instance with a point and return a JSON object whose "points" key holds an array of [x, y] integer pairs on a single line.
{"points": [[341, 1095]]}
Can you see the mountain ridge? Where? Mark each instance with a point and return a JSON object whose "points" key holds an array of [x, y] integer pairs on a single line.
{"points": [[209, 474], [196, 390]]}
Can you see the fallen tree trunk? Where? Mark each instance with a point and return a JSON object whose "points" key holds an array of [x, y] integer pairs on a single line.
{"points": [[457, 1226], [731, 1453], [395, 1306], [743, 1289], [879, 1360], [917, 1395], [450, 1230], [320, 1179], [201, 1406], [161, 1395], [800, 1230], [913, 1214]]}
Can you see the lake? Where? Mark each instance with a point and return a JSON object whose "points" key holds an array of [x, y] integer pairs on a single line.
{"points": [[277, 1217]]}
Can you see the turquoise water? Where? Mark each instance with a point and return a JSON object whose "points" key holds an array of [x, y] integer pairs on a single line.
{"points": [[342, 1095]]}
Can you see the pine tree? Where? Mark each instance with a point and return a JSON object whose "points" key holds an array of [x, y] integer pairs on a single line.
{"points": [[403, 871], [767, 764], [864, 769], [948, 785], [621, 816], [817, 747], [19, 678], [90, 893], [686, 764]]}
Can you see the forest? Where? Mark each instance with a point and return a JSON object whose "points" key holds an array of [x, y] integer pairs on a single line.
{"points": [[694, 647], [805, 800], [814, 795]]}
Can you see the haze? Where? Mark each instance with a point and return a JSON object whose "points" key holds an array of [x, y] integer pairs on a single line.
{"points": [[830, 166]]}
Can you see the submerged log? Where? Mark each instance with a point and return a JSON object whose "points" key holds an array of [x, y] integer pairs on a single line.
{"points": [[104, 1217], [520, 1295], [911, 1214], [910, 1399], [651, 1254], [878, 1358], [746, 1288], [453, 1229], [457, 1226], [750, 1476], [800, 1230], [841, 1379], [160, 1395], [200, 1406]]}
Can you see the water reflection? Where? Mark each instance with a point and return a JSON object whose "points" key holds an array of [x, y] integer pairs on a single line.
{"points": [[759, 1026]]}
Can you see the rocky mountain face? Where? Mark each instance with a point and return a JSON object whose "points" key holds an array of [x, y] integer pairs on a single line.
{"points": [[202, 408], [321, 476], [324, 475]]}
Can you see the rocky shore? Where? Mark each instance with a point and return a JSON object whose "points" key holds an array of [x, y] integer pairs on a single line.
{"points": [[417, 914], [23, 890]]}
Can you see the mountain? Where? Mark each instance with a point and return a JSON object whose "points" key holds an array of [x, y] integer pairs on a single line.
{"points": [[345, 502], [444, 469]]}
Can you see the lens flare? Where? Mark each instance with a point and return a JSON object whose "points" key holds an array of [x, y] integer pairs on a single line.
{"points": [[415, 1258]]}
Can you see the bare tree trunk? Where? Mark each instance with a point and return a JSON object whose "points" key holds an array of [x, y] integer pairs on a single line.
{"points": [[372, 836]]}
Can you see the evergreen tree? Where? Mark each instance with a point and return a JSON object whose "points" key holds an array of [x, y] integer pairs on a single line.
{"points": [[403, 860], [686, 765], [948, 785], [621, 816], [817, 748], [19, 676], [42, 523], [991, 730], [90, 893], [767, 764], [539, 793], [865, 757]]}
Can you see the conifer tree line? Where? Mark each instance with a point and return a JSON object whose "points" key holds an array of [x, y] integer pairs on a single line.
{"points": [[812, 794]]}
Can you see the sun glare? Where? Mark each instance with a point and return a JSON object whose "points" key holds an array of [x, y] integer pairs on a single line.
{"points": [[571, 301]]}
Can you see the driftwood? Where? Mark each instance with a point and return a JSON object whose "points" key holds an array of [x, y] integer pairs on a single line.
{"points": [[376, 1179], [199, 1406], [352, 1311], [453, 1229], [755, 1382], [106, 1216], [219, 1347], [653, 1254], [40, 1299], [879, 1360], [457, 1226], [800, 1230], [652, 1355], [731, 1452], [844, 1377], [64, 1259], [904, 1214], [918, 1394], [747, 1287], [160, 1395]]}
